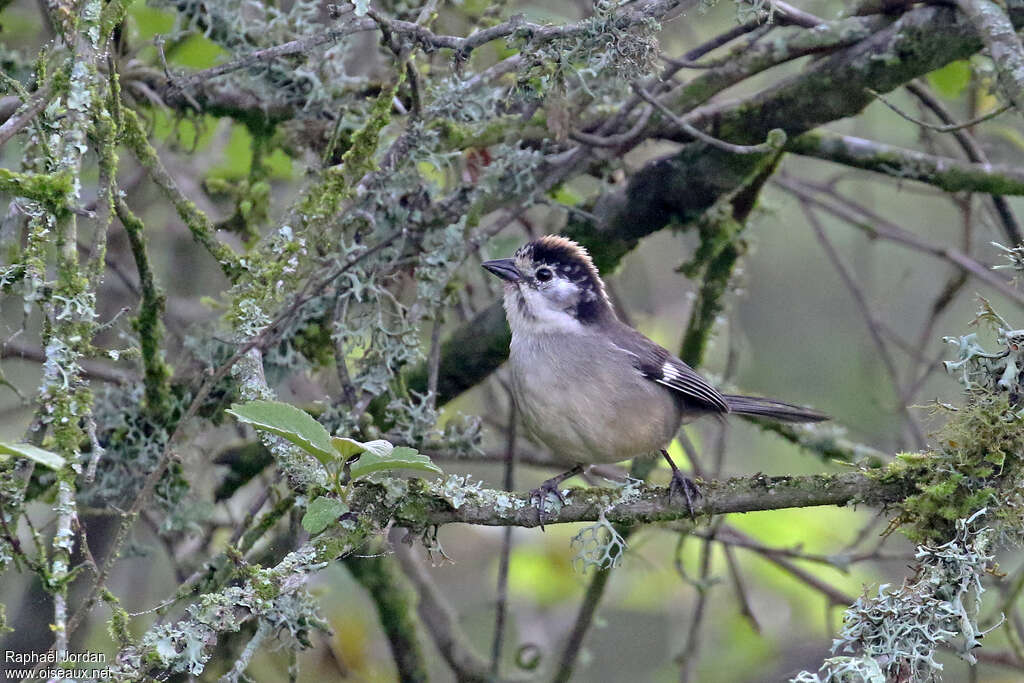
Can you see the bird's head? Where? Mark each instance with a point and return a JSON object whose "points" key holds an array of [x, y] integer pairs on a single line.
{"points": [[551, 284]]}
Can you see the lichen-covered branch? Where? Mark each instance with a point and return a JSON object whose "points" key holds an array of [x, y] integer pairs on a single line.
{"points": [[420, 507], [1004, 45], [951, 175]]}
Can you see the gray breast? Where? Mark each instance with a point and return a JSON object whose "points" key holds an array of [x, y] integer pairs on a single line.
{"points": [[582, 398]]}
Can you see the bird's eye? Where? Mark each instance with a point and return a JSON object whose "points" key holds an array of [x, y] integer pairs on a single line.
{"points": [[543, 274]]}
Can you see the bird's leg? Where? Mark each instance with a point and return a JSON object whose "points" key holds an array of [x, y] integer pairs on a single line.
{"points": [[551, 486], [682, 483]]}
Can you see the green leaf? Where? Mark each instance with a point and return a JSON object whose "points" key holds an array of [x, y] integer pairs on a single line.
{"points": [[400, 458], [951, 80], [33, 453], [288, 422], [349, 447], [321, 513]]}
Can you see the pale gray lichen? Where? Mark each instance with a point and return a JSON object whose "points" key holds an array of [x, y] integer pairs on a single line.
{"points": [[274, 597], [598, 545], [456, 489], [990, 372], [897, 632], [1015, 256]]}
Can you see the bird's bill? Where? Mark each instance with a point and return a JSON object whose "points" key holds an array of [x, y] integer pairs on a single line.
{"points": [[505, 268]]}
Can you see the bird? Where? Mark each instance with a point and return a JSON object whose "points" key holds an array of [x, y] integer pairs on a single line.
{"points": [[590, 387]]}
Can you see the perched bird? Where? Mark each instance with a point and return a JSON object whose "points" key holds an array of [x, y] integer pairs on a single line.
{"points": [[589, 386]]}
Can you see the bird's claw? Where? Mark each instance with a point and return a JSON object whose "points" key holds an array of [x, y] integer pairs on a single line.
{"points": [[540, 495], [682, 484]]}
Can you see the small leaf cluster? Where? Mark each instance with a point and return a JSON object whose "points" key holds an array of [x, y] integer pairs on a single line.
{"points": [[346, 460]]}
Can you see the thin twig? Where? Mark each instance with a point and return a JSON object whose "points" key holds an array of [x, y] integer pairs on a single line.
{"points": [[877, 226], [944, 128], [974, 152], [869, 317], [695, 132], [37, 104]]}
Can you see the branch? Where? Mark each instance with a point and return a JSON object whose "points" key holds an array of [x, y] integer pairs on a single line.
{"points": [[974, 152], [380, 576], [948, 174], [195, 220], [442, 622], [15, 123], [1000, 37], [292, 47], [535, 34], [421, 507]]}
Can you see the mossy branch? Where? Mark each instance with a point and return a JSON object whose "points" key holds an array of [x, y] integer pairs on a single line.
{"points": [[1000, 37], [951, 175], [54, 190], [195, 220], [149, 323], [421, 507]]}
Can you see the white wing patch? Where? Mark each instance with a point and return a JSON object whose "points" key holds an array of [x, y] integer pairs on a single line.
{"points": [[670, 373], [690, 383]]}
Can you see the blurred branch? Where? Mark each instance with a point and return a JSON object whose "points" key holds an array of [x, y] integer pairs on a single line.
{"points": [[951, 175], [824, 441], [870, 319], [442, 622], [381, 577], [534, 33], [195, 220], [877, 226], [1000, 37], [585, 617], [91, 369], [974, 152], [292, 47], [16, 122]]}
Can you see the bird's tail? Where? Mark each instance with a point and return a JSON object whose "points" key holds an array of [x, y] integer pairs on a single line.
{"points": [[773, 410]]}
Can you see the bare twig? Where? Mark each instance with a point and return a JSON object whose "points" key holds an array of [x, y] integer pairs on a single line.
{"points": [[877, 226], [948, 128], [698, 134], [869, 318], [974, 152]]}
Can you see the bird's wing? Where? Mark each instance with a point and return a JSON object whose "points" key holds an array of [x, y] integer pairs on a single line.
{"points": [[658, 365]]}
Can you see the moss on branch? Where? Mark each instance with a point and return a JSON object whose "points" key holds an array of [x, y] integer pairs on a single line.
{"points": [[421, 506], [951, 175], [51, 189], [196, 221]]}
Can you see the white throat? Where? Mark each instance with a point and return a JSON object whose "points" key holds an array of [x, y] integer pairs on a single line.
{"points": [[531, 312]]}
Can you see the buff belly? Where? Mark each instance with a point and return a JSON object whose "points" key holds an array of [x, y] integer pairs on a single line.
{"points": [[585, 411]]}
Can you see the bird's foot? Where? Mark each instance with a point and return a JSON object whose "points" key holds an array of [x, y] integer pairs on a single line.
{"points": [[539, 496], [682, 484]]}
